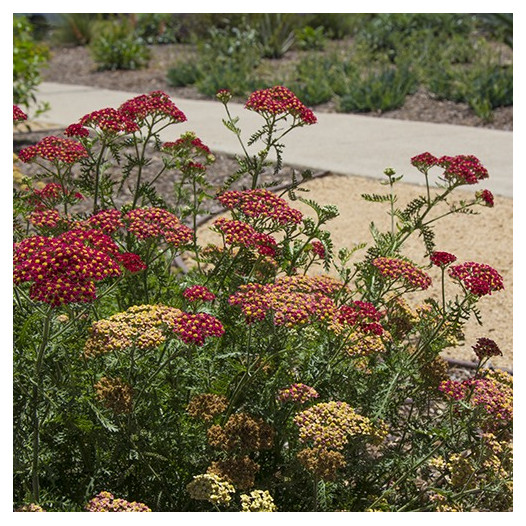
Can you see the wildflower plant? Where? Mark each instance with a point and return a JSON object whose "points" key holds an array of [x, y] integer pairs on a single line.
{"points": [[268, 372]]}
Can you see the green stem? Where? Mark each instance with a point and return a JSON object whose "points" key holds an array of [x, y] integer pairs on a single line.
{"points": [[35, 477]]}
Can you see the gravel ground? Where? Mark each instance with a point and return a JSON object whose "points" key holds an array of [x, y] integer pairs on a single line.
{"points": [[486, 238]]}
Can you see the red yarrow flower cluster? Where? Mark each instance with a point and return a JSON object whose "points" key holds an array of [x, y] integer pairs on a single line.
{"points": [[298, 393], [260, 203], [442, 259], [106, 502], [147, 223], [198, 293], [398, 268], [154, 104], [195, 328], [280, 101], [109, 120], [466, 169], [48, 218], [477, 278], [424, 161], [131, 261], [18, 114], [486, 348], [187, 143], [359, 314], [51, 195], [63, 270], [487, 197], [76, 130], [54, 149]]}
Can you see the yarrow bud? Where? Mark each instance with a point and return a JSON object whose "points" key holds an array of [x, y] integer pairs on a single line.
{"points": [[224, 95], [487, 197]]}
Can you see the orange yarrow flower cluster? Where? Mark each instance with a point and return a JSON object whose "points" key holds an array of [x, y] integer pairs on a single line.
{"points": [[394, 268]]}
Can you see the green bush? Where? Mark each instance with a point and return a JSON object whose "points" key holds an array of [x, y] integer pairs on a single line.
{"points": [[183, 74], [76, 28], [310, 38], [312, 80], [157, 28], [28, 59], [116, 47], [275, 33], [484, 87], [228, 57], [382, 90], [338, 25]]}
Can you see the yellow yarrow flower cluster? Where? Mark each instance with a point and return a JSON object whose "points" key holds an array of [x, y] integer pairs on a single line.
{"points": [[142, 326], [258, 500], [210, 487]]}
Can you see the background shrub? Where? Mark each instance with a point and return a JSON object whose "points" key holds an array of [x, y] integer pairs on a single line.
{"points": [[228, 58], [382, 90], [183, 74], [28, 59], [116, 46]]}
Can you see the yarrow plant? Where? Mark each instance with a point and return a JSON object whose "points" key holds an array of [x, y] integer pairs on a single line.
{"points": [[239, 376]]}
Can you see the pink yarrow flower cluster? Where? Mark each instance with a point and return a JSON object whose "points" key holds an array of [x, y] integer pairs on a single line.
{"points": [[242, 234], [477, 278], [297, 393], [292, 300], [54, 149], [496, 398], [106, 502], [147, 223], [394, 268], [280, 101], [261, 203]]}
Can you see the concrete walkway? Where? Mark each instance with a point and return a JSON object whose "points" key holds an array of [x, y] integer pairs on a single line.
{"points": [[343, 144]]}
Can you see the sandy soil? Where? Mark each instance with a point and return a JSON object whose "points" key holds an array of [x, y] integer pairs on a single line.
{"points": [[484, 238]]}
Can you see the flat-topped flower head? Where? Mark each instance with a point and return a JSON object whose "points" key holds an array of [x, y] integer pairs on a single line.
{"points": [[486, 348], [196, 328], [298, 393], [106, 502], [442, 259], [280, 101], [257, 501], [142, 326], [107, 221], [76, 130], [261, 203], [18, 114], [188, 143], [147, 223], [206, 406], [154, 104], [393, 268], [109, 120], [424, 161], [54, 149], [331, 424], [212, 488], [478, 278], [63, 270], [464, 169], [198, 293]]}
